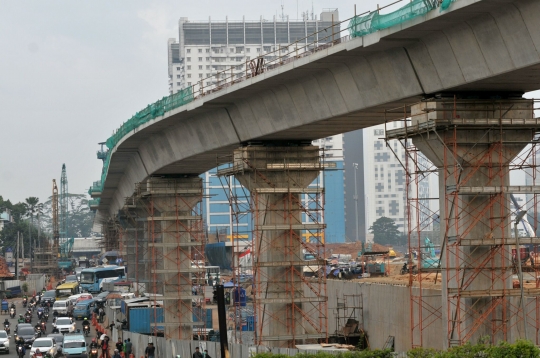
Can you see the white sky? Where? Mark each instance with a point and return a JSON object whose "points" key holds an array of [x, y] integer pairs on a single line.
{"points": [[72, 71]]}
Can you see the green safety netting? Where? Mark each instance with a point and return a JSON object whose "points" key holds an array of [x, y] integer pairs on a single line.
{"points": [[152, 111], [363, 25], [94, 202], [446, 4]]}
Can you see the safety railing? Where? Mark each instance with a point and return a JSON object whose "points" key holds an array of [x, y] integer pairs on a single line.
{"points": [[356, 26]]}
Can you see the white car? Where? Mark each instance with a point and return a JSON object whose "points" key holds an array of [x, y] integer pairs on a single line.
{"points": [[64, 325], [44, 345], [63, 308], [4, 342]]}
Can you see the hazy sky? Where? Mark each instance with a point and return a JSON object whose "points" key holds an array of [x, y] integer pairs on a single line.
{"points": [[72, 71]]}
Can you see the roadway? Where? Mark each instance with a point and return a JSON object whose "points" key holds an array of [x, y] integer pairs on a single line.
{"points": [[21, 310]]}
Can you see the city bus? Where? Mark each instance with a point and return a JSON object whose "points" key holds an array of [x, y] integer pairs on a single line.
{"points": [[92, 279], [67, 289]]}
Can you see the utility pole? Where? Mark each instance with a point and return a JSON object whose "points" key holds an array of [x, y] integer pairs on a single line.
{"points": [[355, 165], [17, 259], [22, 249]]}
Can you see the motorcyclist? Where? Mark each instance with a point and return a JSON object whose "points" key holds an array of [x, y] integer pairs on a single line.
{"points": [[85, 322], [12, 305], [38, 353], [40, 312], [21, 319], [6, 323], [94, 344], [19, 342]]}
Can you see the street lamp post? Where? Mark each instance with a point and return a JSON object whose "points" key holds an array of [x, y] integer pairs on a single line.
{"points": [[355, 165]]}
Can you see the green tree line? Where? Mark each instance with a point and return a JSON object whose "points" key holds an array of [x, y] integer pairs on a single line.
{"points": [[32, 221]]}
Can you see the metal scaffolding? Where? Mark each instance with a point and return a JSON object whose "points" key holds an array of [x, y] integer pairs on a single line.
{"points": [[473, 146], [46, 257], [167, 213], [241, 249], [286, 210]]}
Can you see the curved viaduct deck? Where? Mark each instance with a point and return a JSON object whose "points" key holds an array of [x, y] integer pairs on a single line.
{"points": [[478, 45]]}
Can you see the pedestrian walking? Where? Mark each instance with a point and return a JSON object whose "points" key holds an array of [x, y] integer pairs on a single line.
{"points": [[150, 351], [197, 353]]}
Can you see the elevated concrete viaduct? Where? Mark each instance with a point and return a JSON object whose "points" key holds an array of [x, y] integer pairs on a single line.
{"points": [[482, 45], [475, 46]]}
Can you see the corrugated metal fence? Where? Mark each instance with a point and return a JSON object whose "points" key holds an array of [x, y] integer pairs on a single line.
{"points": [[185, 349]]}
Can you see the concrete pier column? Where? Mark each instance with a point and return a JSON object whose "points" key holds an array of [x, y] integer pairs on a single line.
{"points": [[174, 229], [135, 243], [276, 177], [473, 143]]}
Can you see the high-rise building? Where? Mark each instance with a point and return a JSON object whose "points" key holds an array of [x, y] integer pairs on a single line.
{"points": [[203, 49], [375, 182]]}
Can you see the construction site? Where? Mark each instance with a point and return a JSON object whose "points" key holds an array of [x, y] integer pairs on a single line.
{"points": [[469, 270]]}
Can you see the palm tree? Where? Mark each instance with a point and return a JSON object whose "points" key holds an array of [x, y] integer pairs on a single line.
{"points": [[31, 206]]}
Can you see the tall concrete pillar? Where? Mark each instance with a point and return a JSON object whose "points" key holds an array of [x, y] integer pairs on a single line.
{"points": [[174, 229], [276, 177], [135, 242], [473, 142]]}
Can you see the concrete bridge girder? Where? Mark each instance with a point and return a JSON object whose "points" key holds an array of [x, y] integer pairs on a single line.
{"points": [[481, 45]]}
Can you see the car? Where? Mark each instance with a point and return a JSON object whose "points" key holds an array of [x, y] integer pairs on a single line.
{"points": [[28, 334], [63, 308], [58, 339], [101, 298], [83, 309], [64, 325], [45, 345], [21, 325], [80, 297], [71, 278], [74, 345], [4, 341], [48, 297], [84, 297]]}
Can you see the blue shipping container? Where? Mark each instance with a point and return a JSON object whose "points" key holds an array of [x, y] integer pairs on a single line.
{"points": [[196, 312], [250, 324], [140, 319]]}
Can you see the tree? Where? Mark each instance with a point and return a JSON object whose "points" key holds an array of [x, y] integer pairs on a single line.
{"points": [[385, 232], [31, 206]]}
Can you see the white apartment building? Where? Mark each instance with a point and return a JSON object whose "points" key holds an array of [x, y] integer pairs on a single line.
{"points": [[380, 182], [204, 48]]}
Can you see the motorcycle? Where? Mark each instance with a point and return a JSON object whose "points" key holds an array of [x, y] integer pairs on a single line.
{"points": [[24, 302], [93, 353], [38, 332], [86, 330], [6, 328], [43, 327], [20, 351], [46, 316], [405, 269], [12, 312]]}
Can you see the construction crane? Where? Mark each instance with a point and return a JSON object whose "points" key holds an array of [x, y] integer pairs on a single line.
{"points": [[55, 226], [65, 243]]}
